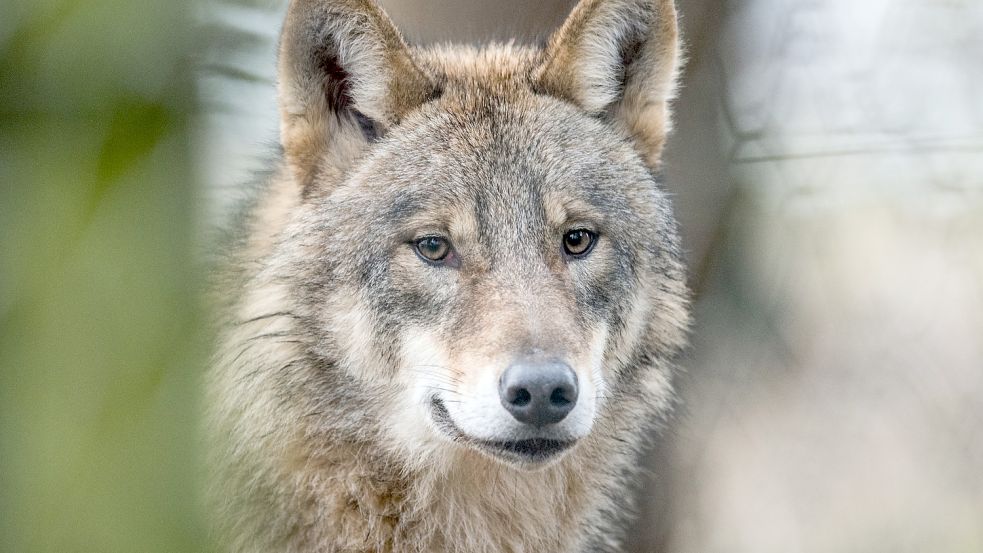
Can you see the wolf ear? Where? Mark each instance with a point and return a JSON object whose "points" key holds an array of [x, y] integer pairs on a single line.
{"points": [[345, 75], [618, 59]]}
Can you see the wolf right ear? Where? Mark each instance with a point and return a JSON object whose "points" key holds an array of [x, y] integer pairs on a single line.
{"points": [[344, 76], [617, 59]]}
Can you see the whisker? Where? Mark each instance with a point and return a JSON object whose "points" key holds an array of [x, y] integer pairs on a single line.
{"points": [[279, 334], [269, 316], [447, 390]]}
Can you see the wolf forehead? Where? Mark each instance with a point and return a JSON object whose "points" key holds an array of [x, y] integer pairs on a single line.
{"points": [[492, 149], [502, 176]]}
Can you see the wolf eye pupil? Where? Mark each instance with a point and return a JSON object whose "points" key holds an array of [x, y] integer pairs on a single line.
{"points": [[578, 242], [433, 248]]}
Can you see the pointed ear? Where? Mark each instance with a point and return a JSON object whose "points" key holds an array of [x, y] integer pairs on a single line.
{"points": [[618, 59], [345, 75]]}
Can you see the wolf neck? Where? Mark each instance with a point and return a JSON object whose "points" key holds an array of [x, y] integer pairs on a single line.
{"points": [[471, 504]]}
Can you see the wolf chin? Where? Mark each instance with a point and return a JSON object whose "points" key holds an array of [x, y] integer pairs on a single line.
{"points": [[451, 316]]}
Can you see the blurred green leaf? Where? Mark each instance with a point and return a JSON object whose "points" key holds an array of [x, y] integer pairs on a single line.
{"points": [[135, 129], [100, 325]]}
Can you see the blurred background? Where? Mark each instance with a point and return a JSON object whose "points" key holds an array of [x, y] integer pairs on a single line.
{"points": [[827, 169], [100, 338]]}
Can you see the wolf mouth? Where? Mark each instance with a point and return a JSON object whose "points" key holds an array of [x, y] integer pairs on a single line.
{"points": [[529, 450]]}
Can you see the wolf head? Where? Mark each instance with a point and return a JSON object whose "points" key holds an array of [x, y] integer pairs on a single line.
{"points": [[477, 248]]}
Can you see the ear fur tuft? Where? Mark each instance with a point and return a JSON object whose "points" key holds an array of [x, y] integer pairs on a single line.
{"points": [[344, 76], [618, 59]]}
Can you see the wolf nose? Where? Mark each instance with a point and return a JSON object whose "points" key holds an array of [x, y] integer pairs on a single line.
{"points": [[538, 393]]}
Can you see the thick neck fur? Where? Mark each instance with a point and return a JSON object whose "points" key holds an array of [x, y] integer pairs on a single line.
{"points": [[469, 504]]}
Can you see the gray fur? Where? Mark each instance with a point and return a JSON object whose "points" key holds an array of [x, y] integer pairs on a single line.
{"points": [[310, 413]]}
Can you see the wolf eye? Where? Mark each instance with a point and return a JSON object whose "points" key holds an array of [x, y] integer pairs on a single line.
{"points": [[433, 248], [578, 242]]}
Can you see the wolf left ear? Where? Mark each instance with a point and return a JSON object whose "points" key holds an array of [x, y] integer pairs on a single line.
{"points": [[618, 59], [344, 76]]}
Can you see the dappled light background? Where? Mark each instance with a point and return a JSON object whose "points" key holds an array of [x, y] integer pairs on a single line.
{"points": [[827, 169], [99, 322]]}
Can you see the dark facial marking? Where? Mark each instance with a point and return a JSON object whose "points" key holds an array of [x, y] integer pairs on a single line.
{"points": [[370, 129]]}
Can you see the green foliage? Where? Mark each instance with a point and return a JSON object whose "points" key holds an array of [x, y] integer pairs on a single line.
{"points": [[100, 325]]}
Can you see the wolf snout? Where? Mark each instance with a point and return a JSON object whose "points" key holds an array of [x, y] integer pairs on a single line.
{"points": [[539, 393]]}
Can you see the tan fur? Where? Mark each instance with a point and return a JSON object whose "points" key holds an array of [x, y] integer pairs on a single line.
{"points": [[578, 59], [386, 80], [320, 440]]}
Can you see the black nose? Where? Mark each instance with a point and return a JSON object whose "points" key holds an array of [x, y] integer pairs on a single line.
{"points": [[539, 393]]}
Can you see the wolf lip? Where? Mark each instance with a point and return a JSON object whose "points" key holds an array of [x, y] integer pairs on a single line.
{"points": [[535, 449], [530, 450]]}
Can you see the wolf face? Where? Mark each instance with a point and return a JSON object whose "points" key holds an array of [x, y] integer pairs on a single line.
{"points": [[486, 260], [465, 257]]}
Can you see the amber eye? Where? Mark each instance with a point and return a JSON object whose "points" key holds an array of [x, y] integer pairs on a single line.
{"points": [[433, 248], [578, 242]]}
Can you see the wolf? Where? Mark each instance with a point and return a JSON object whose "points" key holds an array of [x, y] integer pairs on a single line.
{"points": [[453, 313]]}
